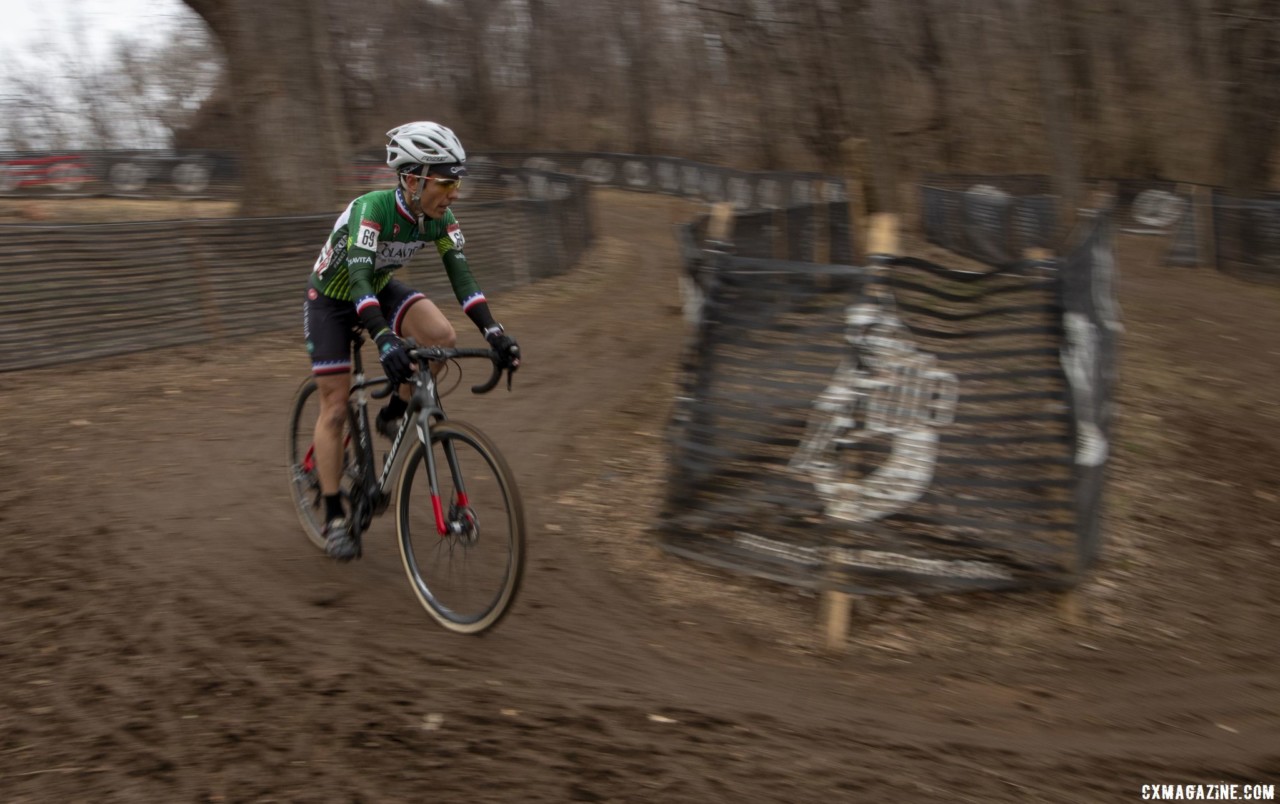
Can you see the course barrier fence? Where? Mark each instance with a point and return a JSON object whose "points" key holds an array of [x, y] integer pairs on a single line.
{"points": [[124, 287], [899, 427]]}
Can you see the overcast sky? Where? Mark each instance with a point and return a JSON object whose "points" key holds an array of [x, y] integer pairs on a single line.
{"points": [[24, 24]]}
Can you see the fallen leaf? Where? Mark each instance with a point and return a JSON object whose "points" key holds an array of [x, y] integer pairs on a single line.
{"points": [[432, 722]]}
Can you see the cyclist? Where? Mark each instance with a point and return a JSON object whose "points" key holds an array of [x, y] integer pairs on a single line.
{"points": [[351, 286]]}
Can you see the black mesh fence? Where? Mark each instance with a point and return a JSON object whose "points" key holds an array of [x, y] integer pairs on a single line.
{"points": [[1247, 236], [1166, 209], [994, 219], [898, 428], [683, 177], [124, 287], [125, 174]]}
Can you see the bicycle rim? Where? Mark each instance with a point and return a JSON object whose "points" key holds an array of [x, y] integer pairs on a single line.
{"points": [[467, 581], [304, 483]]}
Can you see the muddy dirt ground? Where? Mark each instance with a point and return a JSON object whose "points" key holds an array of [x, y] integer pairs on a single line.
{"points": [[168, 634]]}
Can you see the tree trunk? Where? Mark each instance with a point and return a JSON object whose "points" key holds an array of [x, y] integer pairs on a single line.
{"points": [[285, 102], [936, 68], [1251, 49], [542, 38], [639, 40], [1056, 95], [479, 108], [882, 195], [826, 96]]}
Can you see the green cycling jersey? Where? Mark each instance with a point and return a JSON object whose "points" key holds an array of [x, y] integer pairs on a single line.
{"points": [[375, 235]]}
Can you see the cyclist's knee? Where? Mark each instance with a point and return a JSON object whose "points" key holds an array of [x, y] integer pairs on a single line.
{"points": [[333, 403], [441, 334], [448, 337], [428, 326]]}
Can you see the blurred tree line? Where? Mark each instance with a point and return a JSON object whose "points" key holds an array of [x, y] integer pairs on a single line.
{"points": [[1178, 89], [57, 93]]}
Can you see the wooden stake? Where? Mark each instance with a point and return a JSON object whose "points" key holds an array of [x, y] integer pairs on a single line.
{"points": [[720, 227], [835, 618], [1206, 233], [1070, 608], [882, 234]]}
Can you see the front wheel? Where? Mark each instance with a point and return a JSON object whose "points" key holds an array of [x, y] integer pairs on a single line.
{"points": [[466, 577]]}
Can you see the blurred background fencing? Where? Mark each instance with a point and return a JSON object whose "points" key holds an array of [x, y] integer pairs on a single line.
{"points": [[125, 287], [122, 173], [990, 217], [1247, 236], [894, 427], [995, 219]]}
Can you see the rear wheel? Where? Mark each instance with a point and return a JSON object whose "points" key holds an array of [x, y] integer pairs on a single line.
{"points": [[468, 576], [304, 483]]}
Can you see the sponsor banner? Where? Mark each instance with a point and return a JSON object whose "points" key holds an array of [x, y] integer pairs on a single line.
{"points": [[898, 428]]}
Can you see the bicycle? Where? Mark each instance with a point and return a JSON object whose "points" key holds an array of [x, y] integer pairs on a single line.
{"points": [[484, 514]]}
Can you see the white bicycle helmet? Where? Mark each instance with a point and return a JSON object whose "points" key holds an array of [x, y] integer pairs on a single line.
{"points": [[423, 143]]}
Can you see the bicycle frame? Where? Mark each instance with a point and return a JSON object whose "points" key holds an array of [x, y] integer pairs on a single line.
{"points": [[424, 409]]}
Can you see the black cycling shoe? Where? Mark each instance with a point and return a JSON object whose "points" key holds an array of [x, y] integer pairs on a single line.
{"points": [[387, 423], [338, 541]]}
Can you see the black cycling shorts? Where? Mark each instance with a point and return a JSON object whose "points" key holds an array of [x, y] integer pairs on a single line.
{"points": [[327, 324]]}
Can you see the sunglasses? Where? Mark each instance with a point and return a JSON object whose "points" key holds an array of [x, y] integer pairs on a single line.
{"points": [[443, 184]]}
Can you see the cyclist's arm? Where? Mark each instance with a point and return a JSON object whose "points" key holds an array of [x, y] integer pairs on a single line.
{"points": [[465, 286], [364, 232]]}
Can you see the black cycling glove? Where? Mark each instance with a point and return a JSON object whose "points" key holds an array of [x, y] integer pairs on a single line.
{"points": [[393, 356], [506, 347]]}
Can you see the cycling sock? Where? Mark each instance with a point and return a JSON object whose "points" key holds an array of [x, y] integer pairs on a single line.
{"points": [[396, 407], [333, 507]]}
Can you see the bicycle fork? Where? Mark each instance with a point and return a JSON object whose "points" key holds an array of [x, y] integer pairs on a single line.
{"points": [[453, 525]]}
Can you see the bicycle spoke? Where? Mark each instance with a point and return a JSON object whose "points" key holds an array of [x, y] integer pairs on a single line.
{"points": [[466, 577]]}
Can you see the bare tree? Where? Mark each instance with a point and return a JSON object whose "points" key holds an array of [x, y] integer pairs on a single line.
{"points": [[1249, 32], [135, 97], [285, 100], [1146, 88], [868, 75]]}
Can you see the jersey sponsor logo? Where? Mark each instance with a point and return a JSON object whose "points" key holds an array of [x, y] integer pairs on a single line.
{"points": [[322, 262], [393, 254], [455, 234], [359, 260], [367, 235]]}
